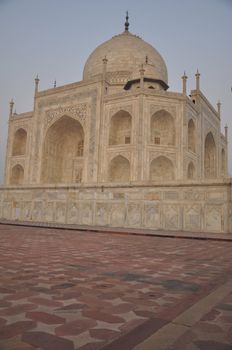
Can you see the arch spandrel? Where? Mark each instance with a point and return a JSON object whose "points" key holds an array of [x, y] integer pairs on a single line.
{"points": [[78, 112]]}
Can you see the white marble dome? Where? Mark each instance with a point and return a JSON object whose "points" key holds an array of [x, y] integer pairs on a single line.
{"points": [[125, 54]]}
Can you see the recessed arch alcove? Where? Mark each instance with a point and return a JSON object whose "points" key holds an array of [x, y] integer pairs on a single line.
{"points": [[163, 128], [17, 175], [161, 168], [120, 128], [210, 157], [191, 136], [119, 169], [191, 171], [19, 143], [63, 148]]}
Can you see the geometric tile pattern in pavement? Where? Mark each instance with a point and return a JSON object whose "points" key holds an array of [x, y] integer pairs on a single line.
{"points": [[67, 290]]}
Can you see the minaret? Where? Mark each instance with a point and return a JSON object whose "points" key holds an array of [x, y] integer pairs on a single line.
{"points": [[127, 23], [197, 75], [184, 85], [219, 109], [11, 107], [142, 71], [36, 84]]}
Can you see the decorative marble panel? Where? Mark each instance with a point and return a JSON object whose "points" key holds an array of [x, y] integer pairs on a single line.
{"points": [[152, 218], [118, 215], [171, 216], [134, 215]]}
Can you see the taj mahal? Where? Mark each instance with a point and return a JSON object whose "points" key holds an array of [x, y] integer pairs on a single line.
{"points": [[119, 149]]}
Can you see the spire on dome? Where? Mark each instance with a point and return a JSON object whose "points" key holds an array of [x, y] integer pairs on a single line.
{"points": [[127, 23]]}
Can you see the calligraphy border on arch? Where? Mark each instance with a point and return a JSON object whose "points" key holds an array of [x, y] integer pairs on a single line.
{"points": [[78, 112]]}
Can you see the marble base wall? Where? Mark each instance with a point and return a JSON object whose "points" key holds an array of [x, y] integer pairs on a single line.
{"points": [[200, 207]]}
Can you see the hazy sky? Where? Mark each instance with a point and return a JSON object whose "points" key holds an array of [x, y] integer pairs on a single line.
{"points": [[54, 38]]}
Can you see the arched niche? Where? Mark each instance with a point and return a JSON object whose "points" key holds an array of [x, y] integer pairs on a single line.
{"points": [[210, 157], [223, 162], [163, 128], [191, 136], [120, 128], [191, 171], [119, 169], [161, 168], [17, 175], [63, 151], [19, 142]]}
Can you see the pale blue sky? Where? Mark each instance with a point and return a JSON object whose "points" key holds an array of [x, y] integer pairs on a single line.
{"points": [[54, 38]]}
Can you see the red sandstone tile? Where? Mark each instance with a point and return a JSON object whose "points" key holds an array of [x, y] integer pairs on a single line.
{"points": [[4, 303], [205, 327], [45, 317], [6, 290], [104, 334], [75, 327], [45, 302], [20, 295], [211, 316], [18, 309], [47, 341], [16, 328], [120, 309], [2, 322], [102, 316]]}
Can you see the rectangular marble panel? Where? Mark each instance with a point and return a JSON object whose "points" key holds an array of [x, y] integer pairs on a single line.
{"points": [[60, 213], [171, 216], [86, 213], [152, 218], [192, 217], [118, 214], [134, 214], [38, 213], [73, 213], [214, 221], [102, 214], [50, 211], [26, 211]]}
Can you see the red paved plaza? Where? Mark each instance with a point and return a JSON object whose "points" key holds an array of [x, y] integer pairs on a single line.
{"points": [[67, 290]]}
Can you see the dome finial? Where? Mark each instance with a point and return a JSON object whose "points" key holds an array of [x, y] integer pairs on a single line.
{"points": [[127, 23]]}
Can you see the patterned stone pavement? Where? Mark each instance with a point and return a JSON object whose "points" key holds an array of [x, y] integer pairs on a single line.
{"points": [[66, 290]]}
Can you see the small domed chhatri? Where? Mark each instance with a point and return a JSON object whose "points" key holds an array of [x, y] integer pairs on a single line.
{"points": [[125, 54], [119, 149]]}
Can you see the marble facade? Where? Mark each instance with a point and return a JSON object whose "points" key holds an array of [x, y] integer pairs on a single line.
{"points": [[119, 149]]}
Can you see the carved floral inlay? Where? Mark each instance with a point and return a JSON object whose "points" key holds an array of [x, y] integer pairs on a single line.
{"points": [[78, 112]]}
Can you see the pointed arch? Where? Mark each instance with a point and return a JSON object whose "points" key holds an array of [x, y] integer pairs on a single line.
{"points": [[120, 128], [19, 142], [210, 157], [161, 168], [17, 175], [163, 128], [119, 169], [63, 150], [191, 171], [191, 136]]}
